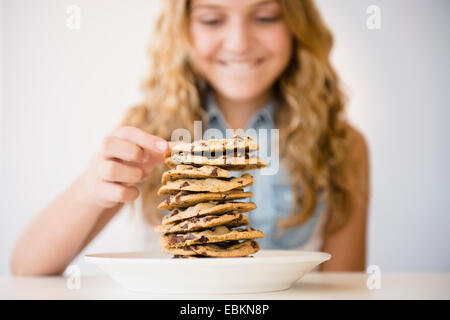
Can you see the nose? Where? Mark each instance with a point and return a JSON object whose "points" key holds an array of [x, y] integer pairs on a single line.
{"points": [[238, 37]]}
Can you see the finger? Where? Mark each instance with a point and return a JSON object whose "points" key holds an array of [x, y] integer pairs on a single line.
{"points": [[115, 171], [114, 147], [116, 192], [144, 166], [155, 145]]}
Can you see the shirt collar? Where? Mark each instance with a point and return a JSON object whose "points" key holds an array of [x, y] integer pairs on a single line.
{"points": [[264, 116]]}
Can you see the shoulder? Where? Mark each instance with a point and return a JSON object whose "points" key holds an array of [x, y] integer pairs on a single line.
{"points": [[358, 141], [358, 159], [358, 150]]}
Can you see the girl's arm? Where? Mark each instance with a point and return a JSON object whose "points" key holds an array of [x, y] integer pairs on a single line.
{"points": [[57, 234], [348, 245]]}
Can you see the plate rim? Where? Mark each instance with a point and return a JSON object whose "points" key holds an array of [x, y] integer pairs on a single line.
{"points": [[306, 256]]}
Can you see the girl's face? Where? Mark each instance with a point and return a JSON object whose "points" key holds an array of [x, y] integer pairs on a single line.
{"points": [[240, 46]]}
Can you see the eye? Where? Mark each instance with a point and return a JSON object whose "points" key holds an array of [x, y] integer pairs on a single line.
{"points": [[267, 19], [211, 22]]}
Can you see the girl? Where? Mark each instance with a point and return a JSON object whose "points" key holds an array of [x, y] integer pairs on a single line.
{"points": [[232, 64]]}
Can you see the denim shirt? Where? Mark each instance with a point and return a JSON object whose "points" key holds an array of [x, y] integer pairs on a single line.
{"points": [[273, 194]]}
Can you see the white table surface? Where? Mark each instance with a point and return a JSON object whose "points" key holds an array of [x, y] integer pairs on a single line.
{"points": [[313, 285]]}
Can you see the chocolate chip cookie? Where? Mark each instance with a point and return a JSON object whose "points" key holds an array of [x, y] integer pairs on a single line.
{"points": [[237, 142], [213, 235], [186, 198], [219, 250], [205, 219], [207, 208], [187, 171], [231, 163], [206, 185], [232, 219]]}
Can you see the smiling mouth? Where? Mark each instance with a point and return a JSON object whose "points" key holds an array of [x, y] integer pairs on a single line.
{"points": [[241, 64]]}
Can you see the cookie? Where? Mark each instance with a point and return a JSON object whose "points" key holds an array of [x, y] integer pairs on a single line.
{"points": [[230, 163], [232, 219], [213, 235], [177, 256], [211, 154], [185, 198], [206, 185], [237, 142], [186, 171], [207, 208], [205, 221], [220, 250]]}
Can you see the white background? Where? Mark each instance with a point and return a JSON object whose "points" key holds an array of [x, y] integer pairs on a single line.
{"points": [[62, 90]]}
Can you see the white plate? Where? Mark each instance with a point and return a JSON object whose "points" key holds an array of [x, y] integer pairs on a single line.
{"points": [[267, 270]]}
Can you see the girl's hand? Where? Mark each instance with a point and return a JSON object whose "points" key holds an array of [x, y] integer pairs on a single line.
{"points": [[125, 159]]}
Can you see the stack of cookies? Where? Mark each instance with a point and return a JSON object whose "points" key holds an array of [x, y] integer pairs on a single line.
{"points": [[205, 218]]}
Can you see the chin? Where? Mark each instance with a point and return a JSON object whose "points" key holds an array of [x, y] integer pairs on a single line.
{"points": [[240, 91]]}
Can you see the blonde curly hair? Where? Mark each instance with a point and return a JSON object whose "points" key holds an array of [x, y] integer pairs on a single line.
{"points": [[310, 110]]}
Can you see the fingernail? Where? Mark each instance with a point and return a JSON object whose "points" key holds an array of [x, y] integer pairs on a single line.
{"points": [[161, 145]]}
